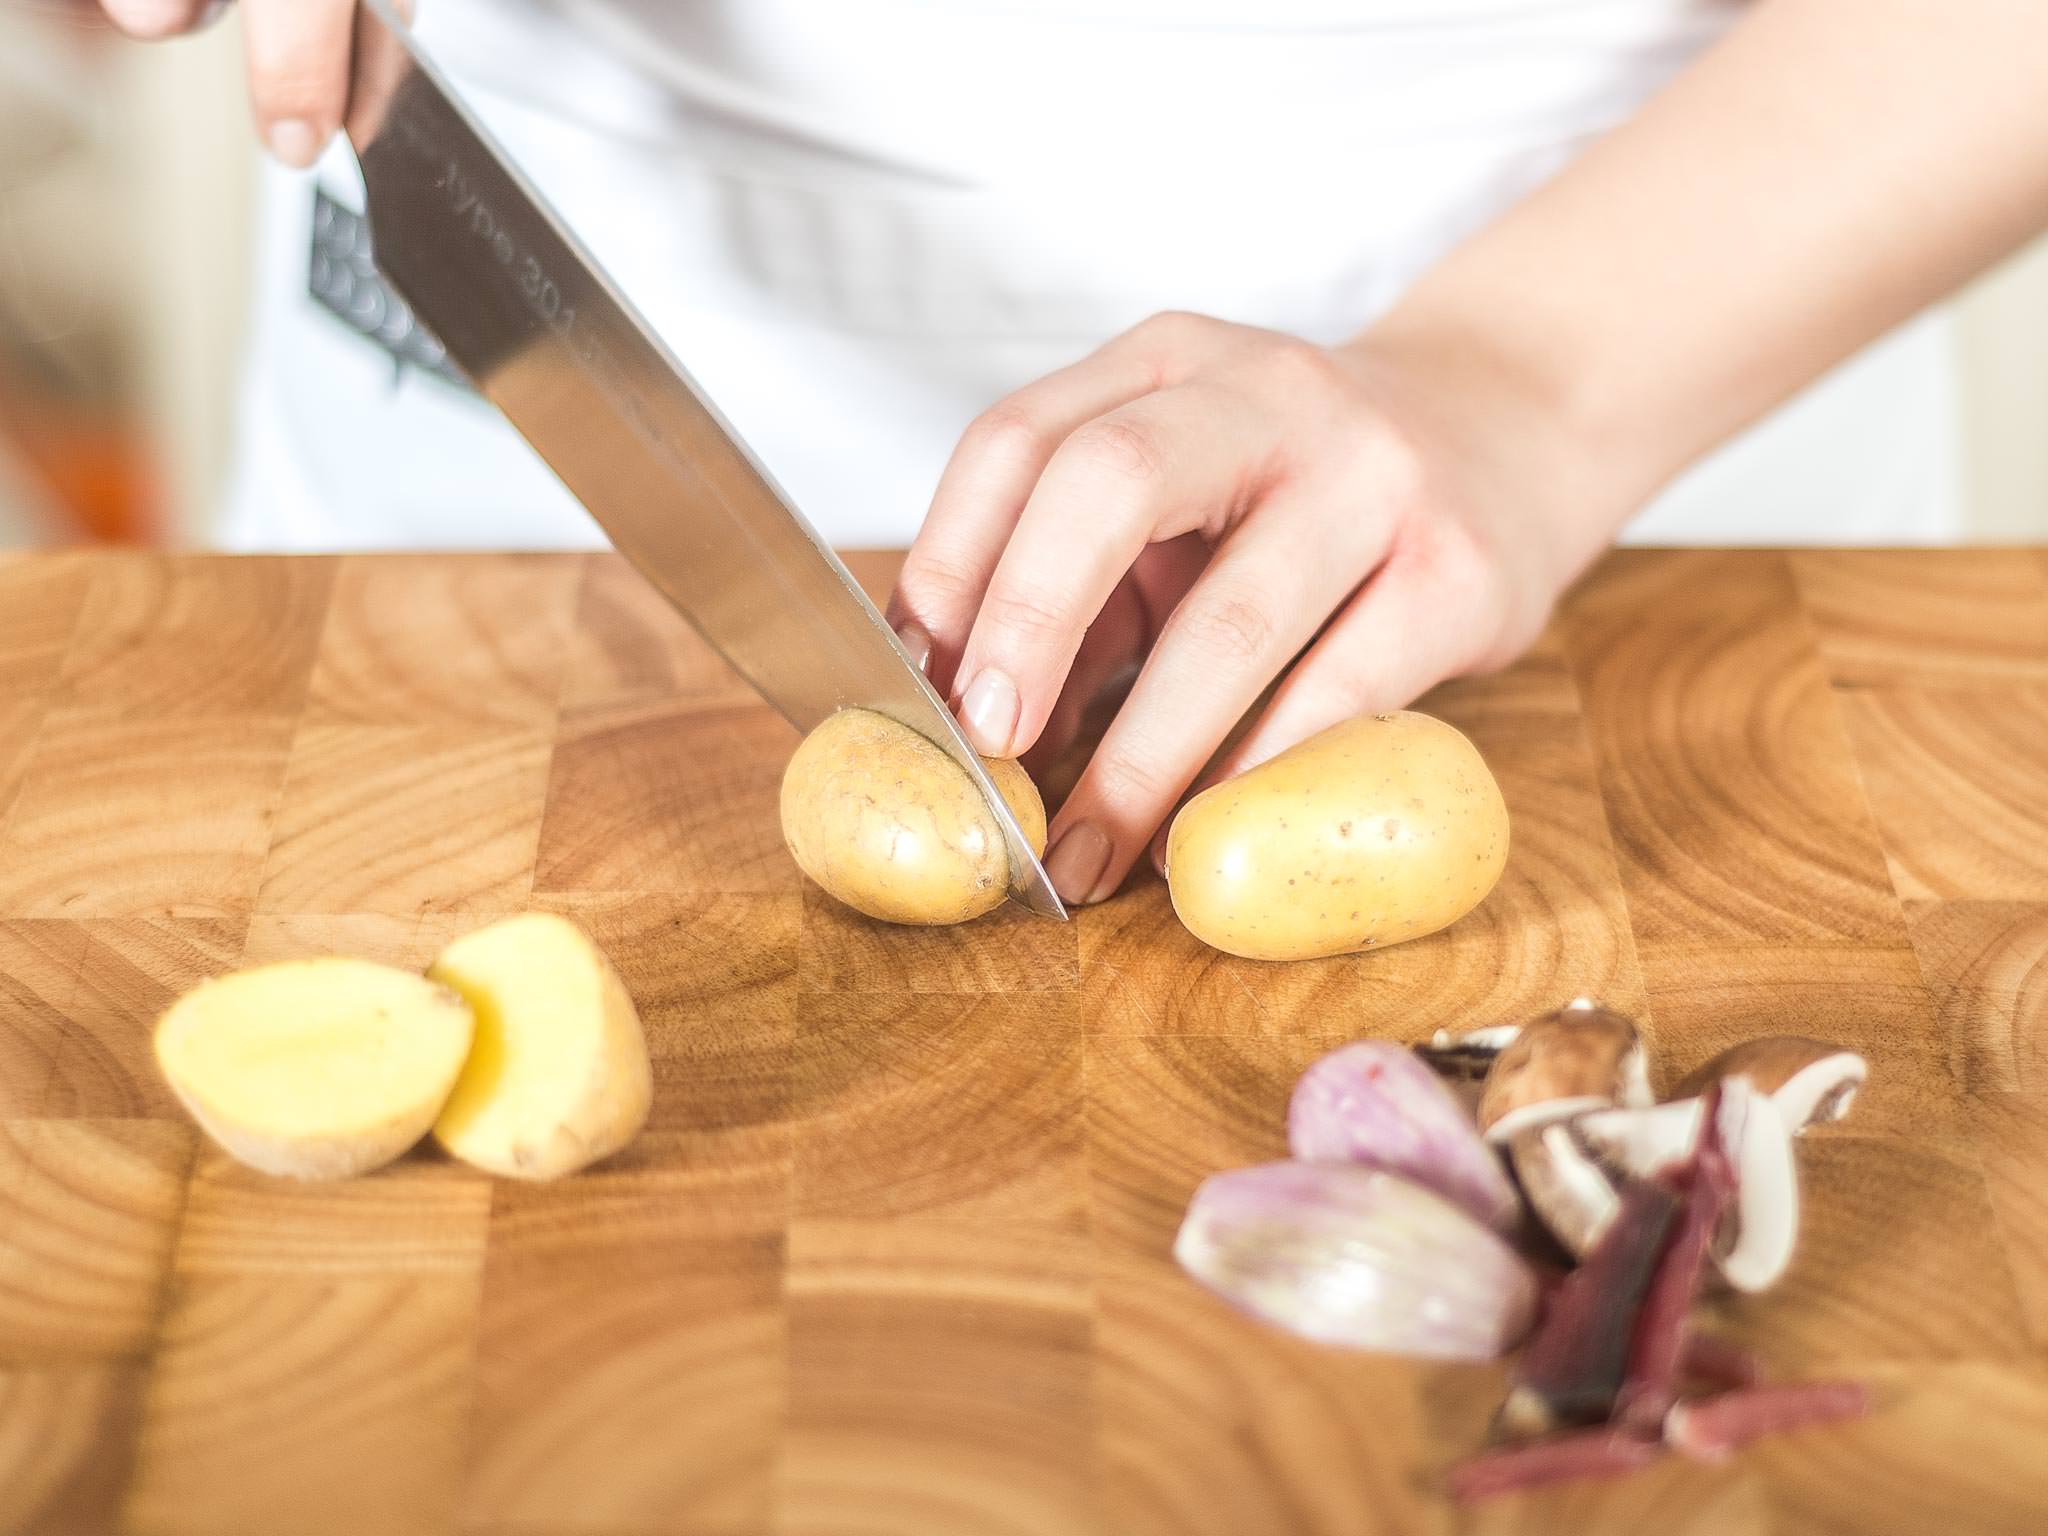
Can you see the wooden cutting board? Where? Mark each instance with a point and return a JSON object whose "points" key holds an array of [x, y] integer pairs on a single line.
{"points": [[892, 1256]]}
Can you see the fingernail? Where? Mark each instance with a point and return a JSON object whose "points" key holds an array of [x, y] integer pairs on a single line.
{"points": [[1077, 861], [917, 643], [988, 710], [293, 141], [1158, 854]]}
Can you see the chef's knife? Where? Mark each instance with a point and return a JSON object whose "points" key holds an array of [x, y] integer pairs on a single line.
{"points": [[539, 328]]}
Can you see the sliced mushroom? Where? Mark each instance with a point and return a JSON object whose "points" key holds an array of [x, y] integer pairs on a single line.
{"points": [[1810, 1081], [1462, 1060], [1573, 1173], [1580, 1057]]}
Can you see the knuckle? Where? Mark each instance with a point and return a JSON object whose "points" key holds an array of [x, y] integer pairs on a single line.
{"points": [[930, 582], [1034, 618], [1304, 370], [1120, 448], [1232, 629], [1402, 469], [1005, 431], [1127, 782], [1169, 326]]}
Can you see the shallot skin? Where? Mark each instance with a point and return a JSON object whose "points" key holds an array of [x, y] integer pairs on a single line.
{"points": [[1357, 1257], [1380, 1105]]}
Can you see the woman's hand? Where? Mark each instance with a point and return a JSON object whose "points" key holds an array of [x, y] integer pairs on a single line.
{"points": [[1408, 506], [1214, 499], [298, 53]]}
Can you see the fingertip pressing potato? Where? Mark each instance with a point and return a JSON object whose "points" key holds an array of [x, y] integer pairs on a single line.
{"points": [[315, 1069], [558, 1076], [886, 822], [1377, 830]]}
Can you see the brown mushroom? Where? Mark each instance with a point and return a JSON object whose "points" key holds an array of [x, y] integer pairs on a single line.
{"points": [[1809, 1081], [1574, 1172], [1467, 1055], [1462, 1060], [1580, 1057]]}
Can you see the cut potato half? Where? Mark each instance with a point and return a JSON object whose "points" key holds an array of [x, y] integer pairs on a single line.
{"points": [[315, 1069], [558, 1076]]}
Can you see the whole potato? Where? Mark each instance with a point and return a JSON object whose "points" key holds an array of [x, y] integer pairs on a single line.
{"points": [[889, 824], [1376, 830]]}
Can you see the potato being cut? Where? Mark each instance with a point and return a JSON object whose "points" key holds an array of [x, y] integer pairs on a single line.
{"points": [[315, 1069], [892, 826], [558, 1076]]}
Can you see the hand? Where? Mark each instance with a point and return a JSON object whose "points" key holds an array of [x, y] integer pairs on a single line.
{"points": [[298, 54], [1214, 499]]}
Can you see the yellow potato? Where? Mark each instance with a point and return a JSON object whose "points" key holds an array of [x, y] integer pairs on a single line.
{"points": [[890, 825], [1377, 830], [315, 1069], [559, 1075]]}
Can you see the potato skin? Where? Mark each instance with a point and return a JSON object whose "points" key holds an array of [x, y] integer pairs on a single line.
{"points": [[887, 823], [1377, 830]]}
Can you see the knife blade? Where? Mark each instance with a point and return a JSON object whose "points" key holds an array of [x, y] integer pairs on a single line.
{"points": [[528, 314]]}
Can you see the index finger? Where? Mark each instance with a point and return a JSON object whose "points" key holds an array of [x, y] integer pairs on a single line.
{"points": [[1161, 466], [298, 54], [982, 493]]}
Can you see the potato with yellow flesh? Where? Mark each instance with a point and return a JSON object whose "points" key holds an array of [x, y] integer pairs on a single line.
{"points": [[558, 1076], [315, 1069], [886, 822], [1376, 830]]}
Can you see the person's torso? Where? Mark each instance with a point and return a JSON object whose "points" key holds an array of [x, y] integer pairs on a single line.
{"points": [[1032, 167], [861, 221]]}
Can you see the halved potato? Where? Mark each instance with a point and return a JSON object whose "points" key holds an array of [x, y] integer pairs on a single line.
{"points": [[315, 1069], [558, 1076]]}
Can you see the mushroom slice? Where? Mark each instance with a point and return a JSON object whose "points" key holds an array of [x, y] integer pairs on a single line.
{"points": [[1810, 1081], [1573, 1193], [1467, 1056], [1580, 1057], [1573, 1173]]}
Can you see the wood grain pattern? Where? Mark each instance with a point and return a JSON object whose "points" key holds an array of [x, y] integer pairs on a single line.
{"points": [[985, 1426], [653, 1400], [418, 640], [40, 600], [1955, 784], [1927, 618], [1734, 800], [407, 819], [2012, 1138], [161, 638], [1986, 965], [67, 1436], [893, 1255], [88, 1213], [143, 817]]}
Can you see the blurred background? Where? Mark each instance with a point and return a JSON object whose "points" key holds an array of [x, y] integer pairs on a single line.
{"points": [[126, 182]]}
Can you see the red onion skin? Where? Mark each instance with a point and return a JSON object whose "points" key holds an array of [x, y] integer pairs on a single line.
{"points": [[1714, 1428], [1379, 1106], [1571, 1456], [1650, 1384], [1357, 1257], [1574, 1364], [1713, 1361]]}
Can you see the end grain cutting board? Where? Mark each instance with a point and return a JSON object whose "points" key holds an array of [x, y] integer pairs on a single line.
{"points": [[892, 1256]]}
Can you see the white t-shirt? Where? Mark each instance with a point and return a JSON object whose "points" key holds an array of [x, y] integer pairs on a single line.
{"points": [[859, 222]]}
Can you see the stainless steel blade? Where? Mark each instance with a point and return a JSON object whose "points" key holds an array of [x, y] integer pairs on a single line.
{"points": [[540, 329]]}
